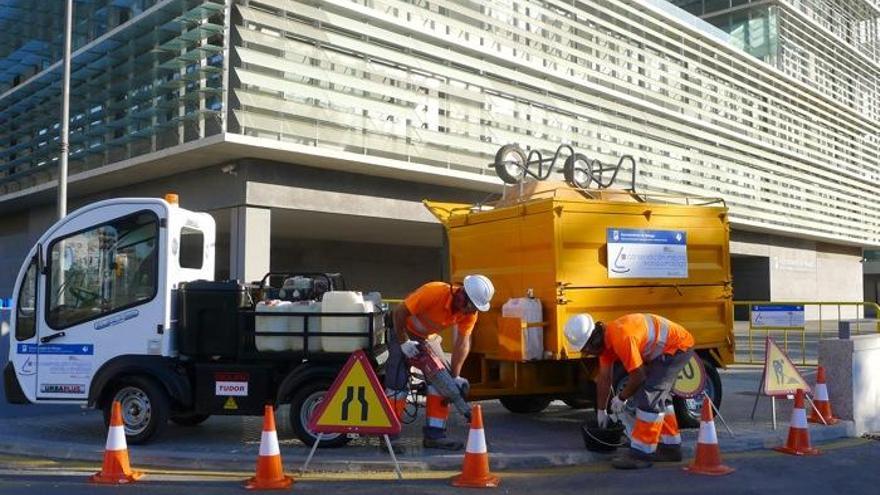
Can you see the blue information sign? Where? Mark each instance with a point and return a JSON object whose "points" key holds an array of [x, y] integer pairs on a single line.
{"points": [[639, 253], [778, 315]]}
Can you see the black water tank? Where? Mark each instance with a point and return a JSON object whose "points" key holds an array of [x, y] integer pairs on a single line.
{"points": [[208, 318]]}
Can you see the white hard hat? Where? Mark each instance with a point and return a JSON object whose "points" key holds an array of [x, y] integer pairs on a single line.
{"points": [[479, 290], [578, 330]]}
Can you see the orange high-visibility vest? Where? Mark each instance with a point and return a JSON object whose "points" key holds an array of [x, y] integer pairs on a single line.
{"points": [[635, 339], [430, 308]]}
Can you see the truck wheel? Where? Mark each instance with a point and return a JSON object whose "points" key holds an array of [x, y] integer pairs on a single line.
{"points": [[189, 419], [688, 411], [303, 404], [510, 164], [145, 408], [525, 404]]}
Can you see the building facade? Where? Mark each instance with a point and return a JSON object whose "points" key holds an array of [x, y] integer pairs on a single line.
{"points": [[312, 130]]}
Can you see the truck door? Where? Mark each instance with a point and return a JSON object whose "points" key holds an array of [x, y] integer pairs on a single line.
{"points": [[23, 348], [103, 298]]}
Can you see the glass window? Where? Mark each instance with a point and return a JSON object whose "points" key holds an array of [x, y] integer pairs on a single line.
{"points": [[25, 311], [192, 248], [102, 270]]}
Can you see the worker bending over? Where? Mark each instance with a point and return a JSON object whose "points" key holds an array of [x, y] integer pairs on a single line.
{"points": [[423, 314], [653, 350]]}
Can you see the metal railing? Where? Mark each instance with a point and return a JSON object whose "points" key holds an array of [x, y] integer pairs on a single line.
{"points": [[810, 321]]}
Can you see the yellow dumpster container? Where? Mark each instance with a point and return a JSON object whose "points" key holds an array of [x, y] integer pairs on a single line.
{"points": [[607, 253]]}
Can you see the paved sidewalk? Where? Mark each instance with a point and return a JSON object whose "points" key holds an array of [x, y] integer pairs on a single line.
{"points": [[551, 438]]}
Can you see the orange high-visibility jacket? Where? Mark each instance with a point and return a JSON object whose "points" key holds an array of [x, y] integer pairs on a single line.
{"points": [[637, 338], [430, 308]]}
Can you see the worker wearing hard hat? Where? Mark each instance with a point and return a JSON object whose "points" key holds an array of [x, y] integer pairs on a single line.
{"points": [[424, 313], [653, 350]]}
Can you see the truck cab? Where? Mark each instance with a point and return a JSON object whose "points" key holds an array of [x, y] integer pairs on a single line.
{"points": [[116, 302], [98, 285]]}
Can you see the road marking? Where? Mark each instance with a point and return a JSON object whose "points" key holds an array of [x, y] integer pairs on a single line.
{"points": [[18, 466]]}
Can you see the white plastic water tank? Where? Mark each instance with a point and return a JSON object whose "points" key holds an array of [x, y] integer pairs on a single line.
{"points": [[344, 302], [274, 324], [529, 310], [288, 324]]}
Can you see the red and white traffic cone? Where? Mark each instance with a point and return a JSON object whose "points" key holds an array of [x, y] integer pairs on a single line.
{"points": [[475, 469], [708, 457], [798, 442], [270, 473], [116, 469], [822, 402]]}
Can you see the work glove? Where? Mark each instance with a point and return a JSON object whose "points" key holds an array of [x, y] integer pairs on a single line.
{"points": [[602, 418], [617, 405], [462, 382], [410, 348]]}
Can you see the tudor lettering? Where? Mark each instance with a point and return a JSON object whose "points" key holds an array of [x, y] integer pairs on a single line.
{"points": [[239, 389]]}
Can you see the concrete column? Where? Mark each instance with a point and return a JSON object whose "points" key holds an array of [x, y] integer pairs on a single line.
{"points": [[249, 242]]}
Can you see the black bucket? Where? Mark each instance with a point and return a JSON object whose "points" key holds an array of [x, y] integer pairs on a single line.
{"points": [[598, 439]]}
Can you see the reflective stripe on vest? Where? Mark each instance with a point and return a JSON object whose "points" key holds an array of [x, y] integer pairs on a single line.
{"points": [[656, 342]]}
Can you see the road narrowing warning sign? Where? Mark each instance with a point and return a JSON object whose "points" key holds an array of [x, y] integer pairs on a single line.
{"points": [[691, 380], [781, 377], [355, 402]]}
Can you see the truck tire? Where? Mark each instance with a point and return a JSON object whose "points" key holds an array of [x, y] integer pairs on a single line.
{"points": [[526, 404], [189, 419], [145, 408], [688, 411], [302, 405]]}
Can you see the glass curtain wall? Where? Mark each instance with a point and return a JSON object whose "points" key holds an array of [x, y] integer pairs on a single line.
{"points": [[146, 75]]}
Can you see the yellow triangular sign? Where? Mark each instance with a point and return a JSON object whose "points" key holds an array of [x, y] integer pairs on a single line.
{"points": [[355, 402], [781, 377], [230, 404]]}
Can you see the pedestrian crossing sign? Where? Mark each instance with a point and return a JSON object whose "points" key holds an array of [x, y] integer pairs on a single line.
{"points": [[355, 403], [781, 377]]}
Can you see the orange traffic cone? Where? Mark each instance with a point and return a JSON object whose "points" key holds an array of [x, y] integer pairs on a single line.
{"points": [[270, 472], [821, 401], [708, 457], [116, 469], [798, 435], [475, 469]]}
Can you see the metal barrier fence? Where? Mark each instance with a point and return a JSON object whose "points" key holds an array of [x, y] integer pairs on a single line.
{"points": [[780, 319]]}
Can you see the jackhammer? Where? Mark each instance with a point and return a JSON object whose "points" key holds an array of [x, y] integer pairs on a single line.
{"points": [[438, 374]]}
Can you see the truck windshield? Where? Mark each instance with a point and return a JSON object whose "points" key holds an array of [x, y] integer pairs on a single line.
{"points": [[102, 270]]}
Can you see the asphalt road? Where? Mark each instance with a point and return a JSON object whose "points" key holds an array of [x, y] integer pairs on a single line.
{"points": [[848, 466]]}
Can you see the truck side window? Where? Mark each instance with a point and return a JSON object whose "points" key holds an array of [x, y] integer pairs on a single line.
{"points": [[192, 248], [25, 311], [104, 269]]}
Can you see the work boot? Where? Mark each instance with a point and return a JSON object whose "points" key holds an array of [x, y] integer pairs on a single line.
{"points": [[668, 453], [442, 444], [632, 460]]}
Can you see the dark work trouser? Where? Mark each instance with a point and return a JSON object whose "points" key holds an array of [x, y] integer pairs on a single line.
{"points": [[655, 415]]}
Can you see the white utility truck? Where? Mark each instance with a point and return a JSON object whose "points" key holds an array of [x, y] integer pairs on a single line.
{"points": [[117, 302]]}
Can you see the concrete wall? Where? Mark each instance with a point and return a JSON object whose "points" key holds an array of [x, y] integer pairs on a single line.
{"points": [[805, 270], [377, 232], [392, 270], [853, 374]]}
